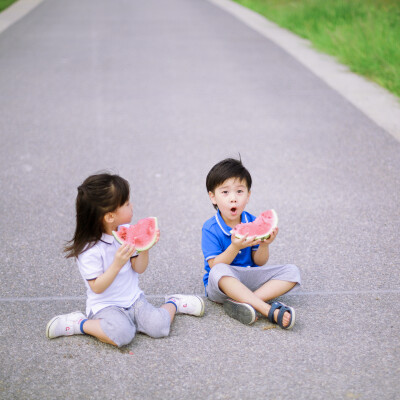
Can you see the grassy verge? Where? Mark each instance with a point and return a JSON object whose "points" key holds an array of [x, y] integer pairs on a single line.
{"points": [[5, 3], [363, 34]]}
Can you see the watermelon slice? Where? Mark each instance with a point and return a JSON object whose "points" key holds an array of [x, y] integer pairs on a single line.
{"points": [[142, 235], [261, 227]]}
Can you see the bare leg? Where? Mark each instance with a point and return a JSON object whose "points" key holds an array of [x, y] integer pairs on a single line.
{"points": [[235, 289], [92, 327], [273, 288], [171, 309]]}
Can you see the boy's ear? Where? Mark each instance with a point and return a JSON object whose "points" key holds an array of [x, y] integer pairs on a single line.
{"points": [[211, 195], [248, 196]]}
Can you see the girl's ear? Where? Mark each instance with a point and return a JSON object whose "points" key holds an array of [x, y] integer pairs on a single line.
{"points": [[211, 195], [109, 218]]}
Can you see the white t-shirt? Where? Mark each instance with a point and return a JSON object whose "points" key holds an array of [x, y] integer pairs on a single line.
{"points": [[92, 263]]}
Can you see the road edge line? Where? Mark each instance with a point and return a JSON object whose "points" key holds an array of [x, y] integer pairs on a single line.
{"points": [[374, 101], [15, 12]]}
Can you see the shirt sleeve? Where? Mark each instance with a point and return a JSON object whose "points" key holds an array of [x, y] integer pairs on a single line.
{"points": [[90, 264], [210, 244]]}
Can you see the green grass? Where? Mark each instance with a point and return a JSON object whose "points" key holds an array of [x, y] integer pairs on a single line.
{"points": [[363, 34], [5, 3]]}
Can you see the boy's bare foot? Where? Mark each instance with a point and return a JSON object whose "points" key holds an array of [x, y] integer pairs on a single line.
{"points": [[282, 315], [286, 318]]}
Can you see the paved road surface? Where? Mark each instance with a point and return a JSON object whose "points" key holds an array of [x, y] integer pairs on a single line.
{"points": [[159, 91]]}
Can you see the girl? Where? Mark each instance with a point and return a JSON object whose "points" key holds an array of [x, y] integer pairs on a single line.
{"points": [[116, 308]]}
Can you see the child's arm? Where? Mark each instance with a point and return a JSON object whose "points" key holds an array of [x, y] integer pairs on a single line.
{"points": [[139, 264], [261, 255], [122, 256]]}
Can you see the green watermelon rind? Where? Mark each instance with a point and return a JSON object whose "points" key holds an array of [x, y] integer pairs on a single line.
{"points": [[151, 244], [264, 236]]}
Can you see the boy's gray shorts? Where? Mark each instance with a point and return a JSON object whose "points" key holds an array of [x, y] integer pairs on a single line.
{"points": [[121, 324], [252, 277]]}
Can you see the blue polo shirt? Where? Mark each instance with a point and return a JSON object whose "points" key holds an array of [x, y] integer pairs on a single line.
{"points": [[216, 238]]}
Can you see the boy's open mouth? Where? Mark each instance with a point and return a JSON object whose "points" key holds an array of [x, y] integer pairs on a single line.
{"points": [[233, 210]]}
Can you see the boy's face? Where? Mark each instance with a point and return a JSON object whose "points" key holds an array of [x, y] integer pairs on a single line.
{"points": [[231, 197]]}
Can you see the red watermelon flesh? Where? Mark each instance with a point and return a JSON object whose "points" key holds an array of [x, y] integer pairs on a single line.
{"points": [[142, 235], [261, 227]]}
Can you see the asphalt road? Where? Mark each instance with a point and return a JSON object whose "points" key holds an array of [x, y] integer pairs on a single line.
{"points": [[159, 91]]}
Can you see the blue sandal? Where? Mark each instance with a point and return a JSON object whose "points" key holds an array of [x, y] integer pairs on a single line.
{"points": [[282, 309]]}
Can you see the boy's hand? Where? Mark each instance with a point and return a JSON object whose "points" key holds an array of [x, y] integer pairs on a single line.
{"points": [[271, 238], [245, 241], [123, 254], [248, 241]]}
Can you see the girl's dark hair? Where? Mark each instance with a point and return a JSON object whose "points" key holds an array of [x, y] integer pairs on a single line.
{"points": [[98, 195], [226, 169]]}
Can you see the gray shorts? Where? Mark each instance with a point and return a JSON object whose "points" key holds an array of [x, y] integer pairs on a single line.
{"points": [[253, 277], [121, 324]]}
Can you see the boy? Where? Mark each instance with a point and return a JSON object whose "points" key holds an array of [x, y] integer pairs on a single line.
{"points": [[235, 272]]}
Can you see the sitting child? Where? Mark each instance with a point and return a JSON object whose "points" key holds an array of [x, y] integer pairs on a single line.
{"points": [[116, 307], [235, 272]]}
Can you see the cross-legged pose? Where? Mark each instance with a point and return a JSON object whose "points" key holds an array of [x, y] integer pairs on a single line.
{"points": [[236, 274]]}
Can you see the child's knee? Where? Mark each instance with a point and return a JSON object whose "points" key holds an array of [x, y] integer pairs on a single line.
{"points": [[219, 270], [162, 330], [154, 322], [294, 269], [217, 267], [293, 274], [124, 337], [158, 327], [117, 327], [120, 334]]}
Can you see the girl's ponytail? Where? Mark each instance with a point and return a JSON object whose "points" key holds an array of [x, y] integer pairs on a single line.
{"points": [[98, 195]]}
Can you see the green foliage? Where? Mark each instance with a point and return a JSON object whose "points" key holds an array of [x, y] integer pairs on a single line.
{"points": [[5, 3], [363, 34]]}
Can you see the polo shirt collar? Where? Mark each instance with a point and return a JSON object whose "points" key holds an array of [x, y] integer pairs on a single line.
{"points": [[224, 227], [109, 239]]}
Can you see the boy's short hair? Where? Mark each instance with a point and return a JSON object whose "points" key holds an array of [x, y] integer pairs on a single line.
{"points": [[226, 169]]}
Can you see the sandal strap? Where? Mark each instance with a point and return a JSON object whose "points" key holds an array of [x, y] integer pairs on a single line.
{"points": [[280, 316], [274, 306]]}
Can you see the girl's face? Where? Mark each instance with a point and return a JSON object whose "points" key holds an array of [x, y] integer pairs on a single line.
{"points": [[123, 214], [231, 197]]}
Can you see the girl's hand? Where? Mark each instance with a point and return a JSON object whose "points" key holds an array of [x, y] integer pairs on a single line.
{"points": [[123, 254], [158, 236], [157, 239]]}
